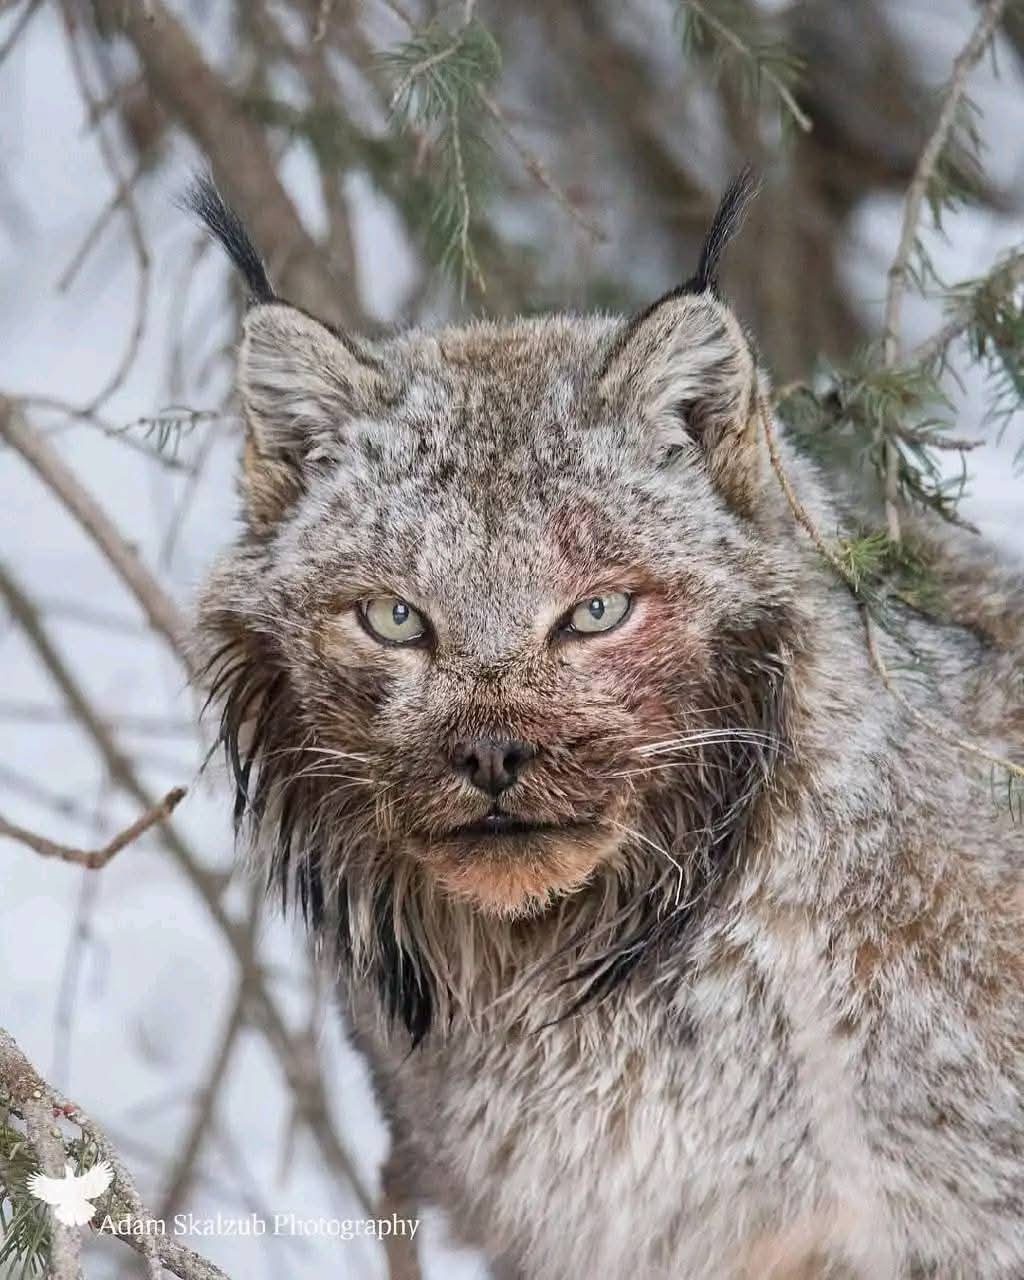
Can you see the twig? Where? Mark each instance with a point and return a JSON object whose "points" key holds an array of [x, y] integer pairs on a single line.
{"points": [[181, 1175], [155, 726], [400, 11], [159, 608], [21, 22], [323, 17], [800, 512], [123, 198], [63, 806], [85, 415], [421, 67], [539, 172], [71, 975], [464, 207], [95, 859], [122, 193], [181, 79], [917, 192]]}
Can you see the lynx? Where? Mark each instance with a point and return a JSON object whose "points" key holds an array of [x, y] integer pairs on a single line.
{"points": [[679, 947]]}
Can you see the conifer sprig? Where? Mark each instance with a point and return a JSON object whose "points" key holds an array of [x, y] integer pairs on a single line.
{"points": [[730, 35], [440, 96], [863, 412], [24, 1221]]}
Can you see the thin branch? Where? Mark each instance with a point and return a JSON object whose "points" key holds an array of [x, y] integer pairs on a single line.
{"points": [[539, 172], [180, 78], [917, 192], [95, 859], [800, 512], [158, 606], [181, 1175], [323, 17], [125, 200], [21, 22], [122, 193]]}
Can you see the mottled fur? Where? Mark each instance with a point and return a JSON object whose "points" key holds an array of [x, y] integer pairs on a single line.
{"points": [[760, 1011]]}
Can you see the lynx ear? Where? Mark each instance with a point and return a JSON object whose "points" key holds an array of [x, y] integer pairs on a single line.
{"points": [[301, 387], [685, 363], [301, 384], [686, 366]]}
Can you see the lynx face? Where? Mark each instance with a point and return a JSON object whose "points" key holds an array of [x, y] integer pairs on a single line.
{"points": [[496, 599]]}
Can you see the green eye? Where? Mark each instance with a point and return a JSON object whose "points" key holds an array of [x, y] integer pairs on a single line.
{"points": [[599, 613], [392, 620]]}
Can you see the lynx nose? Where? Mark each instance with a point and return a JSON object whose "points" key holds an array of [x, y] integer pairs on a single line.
{"points": [[491, 764]]}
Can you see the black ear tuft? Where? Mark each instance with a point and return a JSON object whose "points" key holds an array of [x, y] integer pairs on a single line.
{"points": [[205, 202], [727, 221]]}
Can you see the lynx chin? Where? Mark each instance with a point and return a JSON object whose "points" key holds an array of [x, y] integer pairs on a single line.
{"points": [[678, 946]]}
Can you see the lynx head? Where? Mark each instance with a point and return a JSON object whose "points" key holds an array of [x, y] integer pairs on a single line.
{"points": [[502, 625]]}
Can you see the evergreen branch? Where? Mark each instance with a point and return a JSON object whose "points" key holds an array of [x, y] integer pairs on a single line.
{"points": [[905, 406], [1003, 280], [764, 62], [917, 194], [989, 314], [27, 1095], [439, 96], [96, 859]]}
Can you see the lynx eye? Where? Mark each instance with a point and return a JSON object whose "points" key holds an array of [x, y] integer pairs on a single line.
{"points": [[392, 620], [599, 613]]}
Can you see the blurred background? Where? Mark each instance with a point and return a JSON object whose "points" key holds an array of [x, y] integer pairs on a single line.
{"points": [[397, 163]]}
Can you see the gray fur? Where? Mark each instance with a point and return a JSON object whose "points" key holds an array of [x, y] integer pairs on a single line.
{"points": [[763, 1016]]}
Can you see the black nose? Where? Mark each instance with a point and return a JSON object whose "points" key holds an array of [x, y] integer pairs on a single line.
{"points": [[491, 764]]}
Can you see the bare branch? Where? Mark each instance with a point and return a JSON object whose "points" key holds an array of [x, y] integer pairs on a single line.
{"points": [[124, 199], [186, 85], [95, 859], [159, 608], [21, 22], [202, 1120], [300, 1069]]}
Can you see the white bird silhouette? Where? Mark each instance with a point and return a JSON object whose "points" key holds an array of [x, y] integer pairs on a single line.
{"points": [[72, 1194]]}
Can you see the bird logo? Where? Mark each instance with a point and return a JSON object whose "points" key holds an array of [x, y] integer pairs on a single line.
{"points": [[72, 1195]]}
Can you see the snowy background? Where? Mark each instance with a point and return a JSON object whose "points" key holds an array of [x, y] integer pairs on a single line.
{"points": [[115, 984]]}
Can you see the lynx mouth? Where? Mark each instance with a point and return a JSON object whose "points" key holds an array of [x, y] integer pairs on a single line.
{"points": [[502, 825]]}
